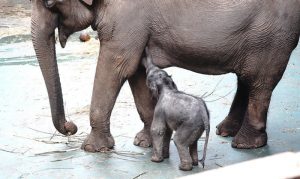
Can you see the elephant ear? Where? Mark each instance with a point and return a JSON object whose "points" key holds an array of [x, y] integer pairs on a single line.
{"points": [[88, 2]]}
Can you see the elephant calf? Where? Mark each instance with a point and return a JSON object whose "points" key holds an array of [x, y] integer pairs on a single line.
{"points": [[175, 110]]}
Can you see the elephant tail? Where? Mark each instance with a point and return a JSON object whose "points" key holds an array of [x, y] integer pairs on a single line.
{"points": [[207, 129]]}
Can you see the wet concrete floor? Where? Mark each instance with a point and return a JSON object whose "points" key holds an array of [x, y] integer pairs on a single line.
{"points": [[30, 147]]}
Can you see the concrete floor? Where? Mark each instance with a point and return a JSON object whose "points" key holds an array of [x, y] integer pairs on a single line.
{"points": [[30, 147]]}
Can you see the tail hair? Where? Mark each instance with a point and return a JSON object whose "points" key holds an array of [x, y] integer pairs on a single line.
{"points": [[207, 129]]}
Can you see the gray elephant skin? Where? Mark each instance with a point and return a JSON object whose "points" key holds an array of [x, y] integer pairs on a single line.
{"points": [[175, 111], [251, 38]]}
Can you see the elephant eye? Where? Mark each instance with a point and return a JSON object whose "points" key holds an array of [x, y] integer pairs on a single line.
{"points": [[49, 3]]}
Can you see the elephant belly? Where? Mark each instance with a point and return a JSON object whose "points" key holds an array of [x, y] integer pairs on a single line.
{"points": [[202, 39], [216, 36], [194, 56]]}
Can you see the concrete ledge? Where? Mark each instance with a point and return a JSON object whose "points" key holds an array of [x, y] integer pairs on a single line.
{"points": [[285, 165]]}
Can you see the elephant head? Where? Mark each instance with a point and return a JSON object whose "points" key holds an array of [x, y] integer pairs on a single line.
{"points": [[68, 16]]}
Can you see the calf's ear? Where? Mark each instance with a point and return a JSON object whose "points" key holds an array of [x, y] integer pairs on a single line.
{"points": [[88, 2]]}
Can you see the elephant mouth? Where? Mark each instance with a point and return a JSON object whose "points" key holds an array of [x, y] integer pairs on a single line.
{"points": [[63, 36]]}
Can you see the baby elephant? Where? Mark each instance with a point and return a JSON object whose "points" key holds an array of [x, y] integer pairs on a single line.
{"points": [[175, 110]]}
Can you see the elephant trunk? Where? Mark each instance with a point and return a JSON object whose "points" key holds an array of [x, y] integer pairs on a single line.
{"points": [[43, 38]]}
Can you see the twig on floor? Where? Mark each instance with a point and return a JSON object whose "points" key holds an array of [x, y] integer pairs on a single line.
{"points": [[24, 175], [128, 153], [124, 159], [53, 135], [67, 158], [43, 131], [62, 159], [215, 88], [220, 97], [56, 151], [139, 175], [26, 151], [77, 140], [82, 134], [117, 170], [215, 158], [44, 141], [10, 151], [218, 164], [125, 153]]}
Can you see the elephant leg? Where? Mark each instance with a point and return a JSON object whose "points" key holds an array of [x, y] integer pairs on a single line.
{"points": [[194, 153], [158, 132], [233, 122], [182, 145], [167, 139], [107, 85], [185, 139], [261, 84], [253, 131], [145, 106]]}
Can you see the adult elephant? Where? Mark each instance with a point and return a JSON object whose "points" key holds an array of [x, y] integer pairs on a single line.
{"points": [[251, 38]]}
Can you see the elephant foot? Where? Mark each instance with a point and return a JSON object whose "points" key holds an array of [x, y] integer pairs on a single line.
{"points": [[143, 139], [228, 127], [96, 142], [186, 166], [249, 138], [195, 163], [156, 158], [166, 153]]}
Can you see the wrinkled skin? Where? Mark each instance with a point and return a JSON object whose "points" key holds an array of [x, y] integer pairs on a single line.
{"points": [[175, 111], [251, 38]]}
